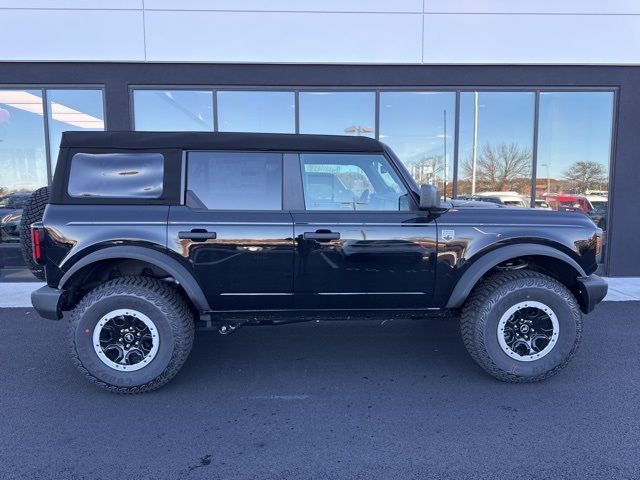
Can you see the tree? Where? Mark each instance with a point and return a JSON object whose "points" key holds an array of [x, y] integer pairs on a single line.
{"points": [[499, 168], [583, 176]]}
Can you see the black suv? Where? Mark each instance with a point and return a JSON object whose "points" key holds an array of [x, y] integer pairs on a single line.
{"points": [[149, 236]]}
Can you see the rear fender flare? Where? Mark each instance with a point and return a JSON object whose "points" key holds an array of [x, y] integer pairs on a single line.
{"points": [[486, 262], [174, 268]]}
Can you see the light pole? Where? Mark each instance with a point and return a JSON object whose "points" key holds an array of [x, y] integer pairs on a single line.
{"points": [[548, 178], [474, 154]]}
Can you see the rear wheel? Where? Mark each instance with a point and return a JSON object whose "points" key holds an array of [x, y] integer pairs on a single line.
{"points": [[521, 326], [131, 335], [32, 213]]}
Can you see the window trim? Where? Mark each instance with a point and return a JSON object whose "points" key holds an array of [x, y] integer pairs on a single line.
{"points": [[170, 184]]}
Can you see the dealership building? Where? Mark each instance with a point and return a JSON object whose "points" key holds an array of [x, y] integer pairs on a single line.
{"points": [[534, 102]]}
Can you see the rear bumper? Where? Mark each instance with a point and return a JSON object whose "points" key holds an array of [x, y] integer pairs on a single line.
{"points": [[591, 291], [47, 302]]}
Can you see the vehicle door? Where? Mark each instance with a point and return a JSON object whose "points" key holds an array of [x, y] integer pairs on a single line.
{"points": [[233, 231], [361, 242]]}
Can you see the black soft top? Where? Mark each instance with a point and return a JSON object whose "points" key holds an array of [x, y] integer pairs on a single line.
{"points": [[219, 141]]}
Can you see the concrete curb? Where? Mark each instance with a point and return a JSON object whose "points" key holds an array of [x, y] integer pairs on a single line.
{"points": [[18, 294]]}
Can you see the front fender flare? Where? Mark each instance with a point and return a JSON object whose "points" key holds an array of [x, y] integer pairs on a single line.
{"points": [[174, 268], [486, 262]]}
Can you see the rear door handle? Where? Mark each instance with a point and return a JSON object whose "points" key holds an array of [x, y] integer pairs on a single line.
{"points": [[321, 236], [197, 234]]}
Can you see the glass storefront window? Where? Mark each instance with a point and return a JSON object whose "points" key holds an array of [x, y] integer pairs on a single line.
{"points": [[173, 110], [23, 168], [496, 145], [574, 151], [338, 113], [413, 125], [72, 109], [256, 111]]}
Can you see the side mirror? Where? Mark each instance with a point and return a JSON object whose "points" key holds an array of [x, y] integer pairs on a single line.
{"points": [[429, 197]]}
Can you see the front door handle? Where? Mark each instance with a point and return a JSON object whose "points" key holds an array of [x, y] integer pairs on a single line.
{"points": [[321, 236], [197, 235]]}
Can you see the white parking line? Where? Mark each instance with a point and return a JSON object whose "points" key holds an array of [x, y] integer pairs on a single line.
{"points": [[18, 294]]}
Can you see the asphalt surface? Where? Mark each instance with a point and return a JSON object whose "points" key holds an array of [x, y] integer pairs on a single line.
{"points": [[324, 400]]}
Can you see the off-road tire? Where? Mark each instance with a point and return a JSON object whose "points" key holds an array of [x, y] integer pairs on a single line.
{"points": [[492, 298], [160, 302], [31, 213]]}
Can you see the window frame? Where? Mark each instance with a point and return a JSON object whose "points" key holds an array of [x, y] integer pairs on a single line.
{"points": [[172, 178]]}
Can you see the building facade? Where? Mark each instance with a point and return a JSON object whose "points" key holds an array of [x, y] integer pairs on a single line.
{"points": [[534, 105]]}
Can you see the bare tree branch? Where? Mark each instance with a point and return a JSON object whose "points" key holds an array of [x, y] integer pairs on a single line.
{"points": [[583, 176], [499, 168]]}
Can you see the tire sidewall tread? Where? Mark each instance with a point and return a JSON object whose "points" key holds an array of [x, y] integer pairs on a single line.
{"points": [[491, 298], [32, 212], [162, 303]]}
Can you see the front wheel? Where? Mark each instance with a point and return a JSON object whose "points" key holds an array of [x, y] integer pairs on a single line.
{"points": [[521, 326], [131, 335]]}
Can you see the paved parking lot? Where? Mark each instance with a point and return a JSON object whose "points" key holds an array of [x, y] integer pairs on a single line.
{"points": [[324, 400]]}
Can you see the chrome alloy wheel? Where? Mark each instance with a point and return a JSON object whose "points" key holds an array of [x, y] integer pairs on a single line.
{"points": [[528, 331], [125, 340]]}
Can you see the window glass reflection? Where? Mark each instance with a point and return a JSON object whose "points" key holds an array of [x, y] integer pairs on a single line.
{"points": [[496, 144], [413, 125], [72, 110], [338, 113], [222, 180], [351, 182], [173, 110], [23, 169], [268, 112], [574, 149]]}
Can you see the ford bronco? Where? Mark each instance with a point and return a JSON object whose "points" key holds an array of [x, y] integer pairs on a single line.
{"points": [[149, 236]]}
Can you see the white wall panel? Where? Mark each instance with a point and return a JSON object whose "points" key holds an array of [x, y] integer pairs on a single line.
{"points": [[332, 31], [410, 6], [71, 35], [78, 4], [283, 37], [533, 6], [569, 39]]}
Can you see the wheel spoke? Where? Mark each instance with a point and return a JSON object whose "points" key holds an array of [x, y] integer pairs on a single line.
{"points": [[126, 340], [528, 331]]}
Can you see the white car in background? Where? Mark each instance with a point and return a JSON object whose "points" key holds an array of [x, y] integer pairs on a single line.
{"points": [[509, 199]]}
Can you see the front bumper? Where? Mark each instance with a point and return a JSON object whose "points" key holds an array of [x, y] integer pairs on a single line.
{"points": [[47, 302], [591, 291]]}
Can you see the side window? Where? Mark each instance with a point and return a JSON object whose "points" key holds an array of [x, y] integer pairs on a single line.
{"points": [[334, 181], [116, 175], [234, 180]]}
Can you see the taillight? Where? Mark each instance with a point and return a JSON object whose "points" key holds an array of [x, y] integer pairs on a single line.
{"points": [[36, 245]]}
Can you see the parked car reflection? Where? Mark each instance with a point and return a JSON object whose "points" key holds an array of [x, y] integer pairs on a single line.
{"points": [[10, 215], [595, 206]]}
